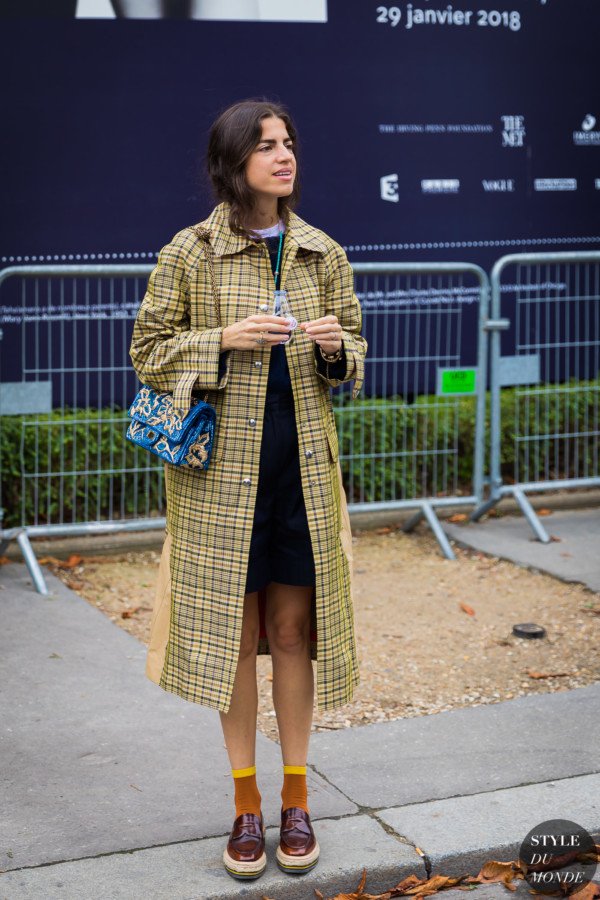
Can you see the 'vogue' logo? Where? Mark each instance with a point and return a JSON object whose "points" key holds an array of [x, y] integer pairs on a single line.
{"points": [[498, 184]]}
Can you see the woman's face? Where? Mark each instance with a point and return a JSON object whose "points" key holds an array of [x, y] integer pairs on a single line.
{"points": [[271, 167]]}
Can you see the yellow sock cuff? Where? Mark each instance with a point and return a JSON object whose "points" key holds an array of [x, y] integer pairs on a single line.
{"points": [[294, 770], [242, 773]]}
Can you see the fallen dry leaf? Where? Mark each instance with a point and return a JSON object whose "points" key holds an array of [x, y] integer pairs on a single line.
{"points": [[549, 674], [4, 560], [544, 512], [458, 517], [358, 895], [72, 561], [466, 608], [128, 613], [69, 563], [554, 539], [430, 886], [385, 529], [413, 886], [503, 872], [590, 891]]}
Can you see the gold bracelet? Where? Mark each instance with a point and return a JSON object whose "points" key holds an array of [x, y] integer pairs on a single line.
{"points": [[331, 357]]}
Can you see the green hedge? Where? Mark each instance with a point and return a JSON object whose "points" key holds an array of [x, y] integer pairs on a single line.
{"points": [[434, 437], [68, 443]]}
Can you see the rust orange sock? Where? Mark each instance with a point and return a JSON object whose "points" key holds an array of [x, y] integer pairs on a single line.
{"points": [[247, 795], [293, 792]]}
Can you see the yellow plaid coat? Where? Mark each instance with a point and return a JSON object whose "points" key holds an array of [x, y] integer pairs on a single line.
{"points": [[176, 343]]}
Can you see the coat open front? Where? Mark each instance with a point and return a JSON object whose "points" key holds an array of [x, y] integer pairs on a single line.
{"points": [[197, 620]]}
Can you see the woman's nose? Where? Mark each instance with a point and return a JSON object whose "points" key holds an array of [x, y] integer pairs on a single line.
{"points": [[285, 153]]}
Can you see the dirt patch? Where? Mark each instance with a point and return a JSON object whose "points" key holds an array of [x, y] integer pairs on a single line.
{"points": [[432, 634]]}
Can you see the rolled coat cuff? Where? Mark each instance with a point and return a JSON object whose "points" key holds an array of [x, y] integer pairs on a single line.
{"points": [[201, 359]]}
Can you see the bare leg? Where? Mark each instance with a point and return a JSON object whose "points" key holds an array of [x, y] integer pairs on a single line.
{"points": [[239, 722], [288, 630]]}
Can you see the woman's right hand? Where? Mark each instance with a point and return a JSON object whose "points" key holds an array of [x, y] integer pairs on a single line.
{"points": [[245, 335]]}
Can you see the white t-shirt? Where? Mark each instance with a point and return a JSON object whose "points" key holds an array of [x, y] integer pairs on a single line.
{"points": [[272, 231]]}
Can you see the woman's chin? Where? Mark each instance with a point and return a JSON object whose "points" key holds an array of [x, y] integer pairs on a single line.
{"points": [[284, 189]]}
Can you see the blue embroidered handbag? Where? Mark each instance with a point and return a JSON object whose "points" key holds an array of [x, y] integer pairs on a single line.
{"points": [[158, 425]]}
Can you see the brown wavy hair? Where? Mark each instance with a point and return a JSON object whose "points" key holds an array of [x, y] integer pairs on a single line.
{"points": [[232, 138]]}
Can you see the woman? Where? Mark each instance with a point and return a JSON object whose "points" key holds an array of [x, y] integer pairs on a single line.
{"points": [[258, 550]]}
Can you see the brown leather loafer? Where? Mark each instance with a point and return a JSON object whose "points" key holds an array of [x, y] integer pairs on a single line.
{"points": [[245, 857], [298, 849]]}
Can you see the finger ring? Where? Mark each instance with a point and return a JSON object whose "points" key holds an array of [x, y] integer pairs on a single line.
{"points": [[261, 339]]}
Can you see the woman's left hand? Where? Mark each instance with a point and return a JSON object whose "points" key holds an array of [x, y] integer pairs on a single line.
{"points": [[326, 332]]}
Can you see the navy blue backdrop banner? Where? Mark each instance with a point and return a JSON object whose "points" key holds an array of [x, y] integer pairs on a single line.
{"points": [[428, 131]]}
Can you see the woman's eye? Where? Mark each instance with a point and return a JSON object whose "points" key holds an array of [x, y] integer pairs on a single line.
{"points": [[268, 147]]}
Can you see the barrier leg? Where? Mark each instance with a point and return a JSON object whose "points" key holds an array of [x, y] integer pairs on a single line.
{"points": [[440, 534], [483, 508], [427, 512], [31, 562], [413, 521], [529, 513]]}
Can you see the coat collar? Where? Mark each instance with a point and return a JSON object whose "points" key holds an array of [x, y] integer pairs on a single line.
{"points": [[224, 241]]}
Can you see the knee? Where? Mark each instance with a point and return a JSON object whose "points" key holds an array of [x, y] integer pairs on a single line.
{"points": [[290, 637]]}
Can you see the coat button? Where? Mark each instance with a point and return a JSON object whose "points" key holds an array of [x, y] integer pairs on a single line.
{"points": [[308, 453], [246, 481], [257, 364], [263, 307], [251, 422]]}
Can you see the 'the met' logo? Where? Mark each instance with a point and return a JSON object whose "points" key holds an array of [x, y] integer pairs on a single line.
{"points": [[513, 131]]}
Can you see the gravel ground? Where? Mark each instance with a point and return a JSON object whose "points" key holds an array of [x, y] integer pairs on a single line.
{"points": [[432, 634]]}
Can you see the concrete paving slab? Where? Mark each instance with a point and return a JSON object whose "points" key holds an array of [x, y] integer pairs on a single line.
{"points": [[194, 870], [575, 557], [460, 834], [95, 757], [464, 751]]}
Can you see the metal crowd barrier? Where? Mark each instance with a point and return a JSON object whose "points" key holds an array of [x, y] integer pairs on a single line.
{"points": [[425, 323], [402, 449], [74, 334], [547, 344]]}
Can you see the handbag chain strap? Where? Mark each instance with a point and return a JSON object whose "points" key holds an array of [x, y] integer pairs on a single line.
{"points": [[204, 235]]}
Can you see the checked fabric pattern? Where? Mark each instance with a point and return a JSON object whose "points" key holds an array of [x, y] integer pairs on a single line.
{"points": [[176, 344]]}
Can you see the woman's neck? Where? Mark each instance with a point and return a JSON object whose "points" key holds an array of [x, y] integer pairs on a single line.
{"points": [[264, 216]]}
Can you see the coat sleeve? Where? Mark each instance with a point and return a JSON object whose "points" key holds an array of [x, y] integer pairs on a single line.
{"points": [[341, 301], [165, 352]]}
